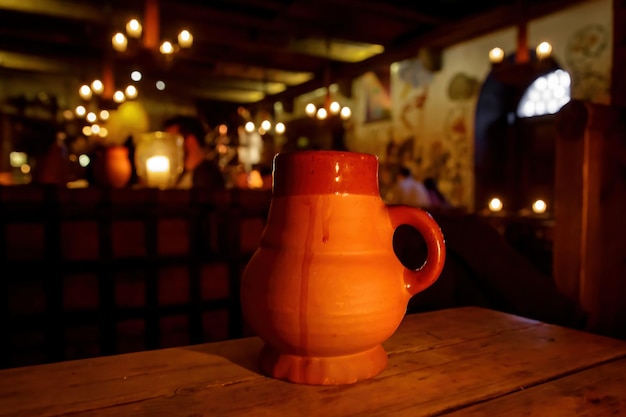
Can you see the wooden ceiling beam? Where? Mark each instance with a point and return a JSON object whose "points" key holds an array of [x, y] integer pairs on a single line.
{"points": [[298, 20], [383, 9], [228, 33], [444, 36], [58, 8]]}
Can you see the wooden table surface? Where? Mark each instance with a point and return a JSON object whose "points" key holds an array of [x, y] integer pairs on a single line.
{"points": [[458, 362]]}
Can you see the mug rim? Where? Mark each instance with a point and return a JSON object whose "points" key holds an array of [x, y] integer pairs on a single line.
{"points": [[325, 172]]}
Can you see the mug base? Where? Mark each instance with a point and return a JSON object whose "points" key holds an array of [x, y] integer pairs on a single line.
{"points": [[323, 370]]}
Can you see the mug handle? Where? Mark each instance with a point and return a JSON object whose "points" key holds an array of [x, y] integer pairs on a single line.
{"points": [[422, 278]]}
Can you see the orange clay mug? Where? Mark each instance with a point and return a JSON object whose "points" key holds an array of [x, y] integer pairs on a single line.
{"points": [[325, 288]]}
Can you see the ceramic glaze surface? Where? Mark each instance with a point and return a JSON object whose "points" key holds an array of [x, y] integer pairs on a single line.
{"points": [[325, 287]]}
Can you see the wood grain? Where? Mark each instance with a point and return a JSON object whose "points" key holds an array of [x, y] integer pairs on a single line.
{"points": [[439, 362], [598, 391]]}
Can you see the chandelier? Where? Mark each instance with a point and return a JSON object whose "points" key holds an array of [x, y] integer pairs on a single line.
{"points": [[524, 67], [330, 107], [94, 107], [265, 123], [91, 109], [147, 35]]}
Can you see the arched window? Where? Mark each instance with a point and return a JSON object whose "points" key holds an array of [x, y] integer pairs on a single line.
{"points": [[546, 95]]}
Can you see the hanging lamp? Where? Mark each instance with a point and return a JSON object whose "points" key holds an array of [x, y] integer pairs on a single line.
{"points": [[524, 66], [331, 107]]}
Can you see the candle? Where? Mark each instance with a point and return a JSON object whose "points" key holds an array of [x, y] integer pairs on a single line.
{"points": [[496, 55], [158, 171], [495, 204], [544, 50], [539, 207], [119, 41]]}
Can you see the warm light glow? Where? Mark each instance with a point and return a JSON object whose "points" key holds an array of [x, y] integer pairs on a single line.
{"points": [[87, 130], [68, 115], [495, 205], [322, 113], [222, 129], [25, 169], [544, 50], [80, 111], [17, 159], [136, 76], [104, 132], [310, 109], [104, 115], [158, 171], [91, 117], [95, 129], [185, 39], [119, 42], [133, 28], [266, 125], [166, 48], [254, 179], [158, 157], [83, 160], [280, 128], [158, 163], [249, 127], [496, 55], [539, 207], [97, 86], [131, 92], [119, 96], [84, 92]]}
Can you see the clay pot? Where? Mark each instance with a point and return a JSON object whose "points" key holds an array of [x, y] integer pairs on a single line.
{"points": [[325, 288], [113, 167]]}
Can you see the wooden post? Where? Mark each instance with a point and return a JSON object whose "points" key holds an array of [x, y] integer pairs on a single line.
{"points": [[571, 124], [6, 145], [108, 76], [151, 24], [590, 212], [618, 81]]}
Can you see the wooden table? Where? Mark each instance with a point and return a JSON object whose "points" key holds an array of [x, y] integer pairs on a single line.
{"points": [[458, 362]]}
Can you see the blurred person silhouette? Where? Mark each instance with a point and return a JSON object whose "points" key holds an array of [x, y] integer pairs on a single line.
{"points": [[437, 199], [200, 171], [408, 190]]}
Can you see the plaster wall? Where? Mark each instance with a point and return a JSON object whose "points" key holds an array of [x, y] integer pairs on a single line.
{"points": [[432, 110]]}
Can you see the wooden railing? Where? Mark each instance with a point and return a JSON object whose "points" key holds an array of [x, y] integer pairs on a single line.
{"points": [[88, 272], [91, 272]]}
